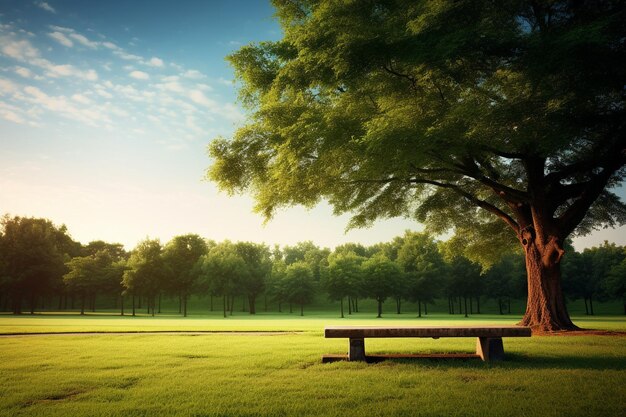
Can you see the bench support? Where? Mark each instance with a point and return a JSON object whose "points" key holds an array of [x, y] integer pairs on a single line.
{"points": [[357, 350], [490, 349]]}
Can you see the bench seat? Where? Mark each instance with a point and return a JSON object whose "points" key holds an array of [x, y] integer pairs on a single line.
{"points": [[488, 344]]}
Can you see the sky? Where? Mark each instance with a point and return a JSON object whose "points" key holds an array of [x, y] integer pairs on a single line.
{"points": [[106, 109]]}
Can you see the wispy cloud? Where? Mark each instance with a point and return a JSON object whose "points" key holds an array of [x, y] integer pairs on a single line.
{"points": [[84, 41], [45, 6], [61, 38]]}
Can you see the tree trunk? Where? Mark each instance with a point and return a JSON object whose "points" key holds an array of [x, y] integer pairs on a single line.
{"points": [[349, 306], [82, 305], [243, 304], [471, 305], [500, 302], [211, 299], [159, 304], [508, 304], [139, 302], [465, 301], [122, 304], [460, 306], [591, 306], [586, 306], [252, 303], [341, 303], [224, 301], [133, 305], [356, 304], [380, 309], [265, 299], [478, 304], [185, 305], [33, 301], [180, 304], [280, 306], [232, 304], [398, 301], [545, 308], [301, 309], [425, 308], [419, 308], [290, 308]]}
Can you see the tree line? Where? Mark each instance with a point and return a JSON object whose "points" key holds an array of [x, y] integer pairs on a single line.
{"points": [[41, 265]]}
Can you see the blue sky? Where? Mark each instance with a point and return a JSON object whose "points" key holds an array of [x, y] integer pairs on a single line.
{"points": [[106, 108]]}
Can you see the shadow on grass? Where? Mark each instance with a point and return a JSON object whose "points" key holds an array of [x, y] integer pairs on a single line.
{"points": [[519, 361]]}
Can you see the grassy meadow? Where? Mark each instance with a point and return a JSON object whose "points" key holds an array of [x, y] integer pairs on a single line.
{"points": [[281, 374]]}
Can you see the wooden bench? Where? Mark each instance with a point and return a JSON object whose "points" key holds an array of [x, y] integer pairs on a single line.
{"points": [[488, 344]]}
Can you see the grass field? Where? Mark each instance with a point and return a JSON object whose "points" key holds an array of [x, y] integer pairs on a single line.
{"points": [[239, 374]]}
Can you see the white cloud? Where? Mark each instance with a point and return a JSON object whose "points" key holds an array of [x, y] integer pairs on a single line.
{"points": [[198, 97], [139, 75], [193, 74], [125, 55], [10, 113], [92, 116], [61, 29], [21, 50], [83, 40], [7, 86], [110, 45], [24, 72], [155, 62], [45, 6], [81, 99], [67, 70], [61, 38]]}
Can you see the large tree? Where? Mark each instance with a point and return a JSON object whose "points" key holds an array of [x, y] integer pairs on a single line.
{"points": [[504, 121]]}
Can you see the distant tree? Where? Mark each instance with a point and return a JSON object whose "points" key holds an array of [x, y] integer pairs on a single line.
{"points": [[258, 268], [146, 272], [343, 275], [464, 276], [307, 252], [93, 274], [114, 270], [506, 279], [181, 255], [380, 275], [222, 269], [616, 281], [585, 273], [33, 253], [423, 266], [299, 284], [276, 283]]}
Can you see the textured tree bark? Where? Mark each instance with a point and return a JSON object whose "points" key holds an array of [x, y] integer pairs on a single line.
{"points": [[545, 309]]}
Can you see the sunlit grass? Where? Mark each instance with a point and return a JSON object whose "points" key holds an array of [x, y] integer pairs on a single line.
{"points": [[282, 375], [45, 323]]}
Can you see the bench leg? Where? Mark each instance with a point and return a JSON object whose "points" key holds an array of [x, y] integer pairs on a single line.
{"points": [[357, 350], [490, 349]]}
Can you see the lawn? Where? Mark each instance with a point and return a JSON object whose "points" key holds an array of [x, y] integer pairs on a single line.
{"points": [[228, 374]]}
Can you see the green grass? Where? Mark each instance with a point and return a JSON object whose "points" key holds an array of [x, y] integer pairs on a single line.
{"points": [[282, 375]]}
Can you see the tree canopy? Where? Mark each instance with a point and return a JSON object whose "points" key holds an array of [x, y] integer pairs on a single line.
{"points": [[500, 119]]}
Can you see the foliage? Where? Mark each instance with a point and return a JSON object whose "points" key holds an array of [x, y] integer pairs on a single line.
{"points": [[299, 284], [33, 252]]}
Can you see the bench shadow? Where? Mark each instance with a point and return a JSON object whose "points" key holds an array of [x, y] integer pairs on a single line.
{"points": [[512, 361]]}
